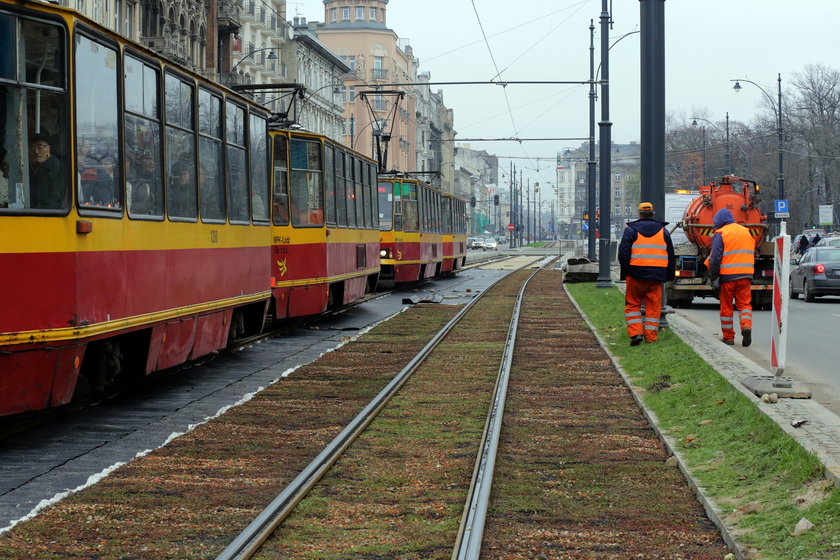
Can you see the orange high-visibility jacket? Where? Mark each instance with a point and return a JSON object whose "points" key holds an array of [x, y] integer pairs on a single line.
{"points": [[738, 250], [650, 251]]}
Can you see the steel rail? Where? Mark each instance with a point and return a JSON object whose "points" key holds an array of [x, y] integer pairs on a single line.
{"points": [[248, 542], [471, 530]]}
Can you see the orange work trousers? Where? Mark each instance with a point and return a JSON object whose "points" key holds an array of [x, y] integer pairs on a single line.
{"points": [[739, 291], [636, 292]]}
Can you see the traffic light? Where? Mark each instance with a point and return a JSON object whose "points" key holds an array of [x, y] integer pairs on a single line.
{"points": [[496, 199], [472, 201]]}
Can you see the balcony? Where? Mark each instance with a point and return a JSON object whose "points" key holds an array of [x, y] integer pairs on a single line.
{"points": [[170, 48], [228, 16]]}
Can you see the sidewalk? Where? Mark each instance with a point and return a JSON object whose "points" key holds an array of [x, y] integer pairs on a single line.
{"points": [[821, 431]]}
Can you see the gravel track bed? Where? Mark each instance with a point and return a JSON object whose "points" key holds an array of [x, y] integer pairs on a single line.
{"points": [[580, 473]]}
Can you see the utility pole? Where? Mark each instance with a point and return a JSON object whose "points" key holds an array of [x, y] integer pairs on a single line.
{"points": [[605, 140], [590, 166]]}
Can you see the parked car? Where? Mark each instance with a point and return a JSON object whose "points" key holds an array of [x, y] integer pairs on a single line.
{"points": [[472, 242], [828, 242], [817, 273], [490, 243]]}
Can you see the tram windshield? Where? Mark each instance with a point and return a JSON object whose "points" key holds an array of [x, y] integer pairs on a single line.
{"points": [[34, 153]]}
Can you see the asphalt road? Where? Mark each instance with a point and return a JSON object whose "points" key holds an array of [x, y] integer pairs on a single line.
{"points": [[813, 352]]}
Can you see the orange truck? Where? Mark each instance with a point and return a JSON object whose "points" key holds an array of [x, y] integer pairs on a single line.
{"points": [[742, 197]]}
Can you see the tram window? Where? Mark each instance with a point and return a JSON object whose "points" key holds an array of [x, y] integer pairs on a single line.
{"points": [[374, 200], [329, 183], [211, 180], [97, 125], [305, 182], [360, 193], [280, 195], [367, 195], [424, 209], [446, 213], [34, 158], [386, 198], [144, 183], [259, 172], [181, 198], [237, 171], [411, 221], [340, 189], [350, 190], [398, 207]]}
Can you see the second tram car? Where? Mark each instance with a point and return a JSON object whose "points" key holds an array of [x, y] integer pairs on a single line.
{"points": [[325, 228]]}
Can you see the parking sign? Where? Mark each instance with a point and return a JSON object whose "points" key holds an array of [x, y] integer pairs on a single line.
{"points": [[781, 209]]}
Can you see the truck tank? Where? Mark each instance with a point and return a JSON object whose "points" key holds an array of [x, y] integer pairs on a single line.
{"points": [[740, 196]]}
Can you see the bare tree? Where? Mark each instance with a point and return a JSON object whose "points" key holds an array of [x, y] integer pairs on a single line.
{"points": [[813, 142]]}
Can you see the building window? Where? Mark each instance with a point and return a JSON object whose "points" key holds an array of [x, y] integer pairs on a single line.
{"points": [[129, 20], [345, 13], [350, 61], [360, 12], [379, 73], [352, 94], [373, 14], [334, 15]]}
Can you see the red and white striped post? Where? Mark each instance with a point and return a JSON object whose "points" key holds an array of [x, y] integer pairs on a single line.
{"points": [[781, 289]]}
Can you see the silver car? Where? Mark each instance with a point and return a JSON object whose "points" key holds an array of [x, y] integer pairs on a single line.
{"points": [[817, 273]]}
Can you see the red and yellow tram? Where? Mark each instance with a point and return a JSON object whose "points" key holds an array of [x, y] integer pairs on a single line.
{"points": [[141, 224], [453, 211], [325, 238], [411, 239]]}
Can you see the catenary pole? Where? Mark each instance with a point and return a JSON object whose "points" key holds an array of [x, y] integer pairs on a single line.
{"points": [[590, 166], [605, 141]]}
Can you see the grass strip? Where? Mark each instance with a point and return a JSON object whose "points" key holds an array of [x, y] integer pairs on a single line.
{"points": [[762, 481]]}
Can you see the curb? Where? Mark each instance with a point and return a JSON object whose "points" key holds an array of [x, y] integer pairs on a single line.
{"points": [[668, 442]]}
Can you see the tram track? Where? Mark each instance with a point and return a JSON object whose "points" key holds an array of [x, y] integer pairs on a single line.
{"points": [[399, 490]]}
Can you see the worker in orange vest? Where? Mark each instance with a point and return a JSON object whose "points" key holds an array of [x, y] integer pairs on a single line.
{"points": [[646, 256], [731, 266]]}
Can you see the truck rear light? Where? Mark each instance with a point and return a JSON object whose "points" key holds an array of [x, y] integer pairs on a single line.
{"points": [[767, 273], [684, 273], [819, 269]]}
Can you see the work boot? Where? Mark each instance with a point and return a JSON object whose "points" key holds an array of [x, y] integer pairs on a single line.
{"points": [[729, 342], [747, 334], [636, 340]]}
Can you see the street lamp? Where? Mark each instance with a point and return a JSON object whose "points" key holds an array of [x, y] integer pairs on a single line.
{"points": [[727, 157], [778, 111], [271, 56]]}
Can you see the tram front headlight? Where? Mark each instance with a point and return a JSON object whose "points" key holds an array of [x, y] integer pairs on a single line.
{"points": [[385, 253]]}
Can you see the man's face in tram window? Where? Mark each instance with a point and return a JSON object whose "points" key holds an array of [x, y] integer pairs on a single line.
{"points": [[39, 152]]}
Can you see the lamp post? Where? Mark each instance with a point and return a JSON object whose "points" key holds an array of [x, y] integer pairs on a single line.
{"points": [[271, 56], [778, 110], [727, 157]]}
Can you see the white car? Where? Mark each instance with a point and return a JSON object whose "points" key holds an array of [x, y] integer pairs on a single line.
{"points": [[490, 243]]}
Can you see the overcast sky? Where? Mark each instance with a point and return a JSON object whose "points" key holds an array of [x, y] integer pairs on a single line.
{"points": [[707, 43]]}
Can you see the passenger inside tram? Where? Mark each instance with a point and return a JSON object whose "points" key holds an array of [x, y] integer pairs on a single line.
{"points": [[45, 188]]}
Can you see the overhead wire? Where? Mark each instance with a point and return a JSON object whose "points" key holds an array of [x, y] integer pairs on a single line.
{"points": [[508, 30]]}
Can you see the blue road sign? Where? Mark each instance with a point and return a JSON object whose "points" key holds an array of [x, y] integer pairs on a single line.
{"points": [[781, 205]]}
